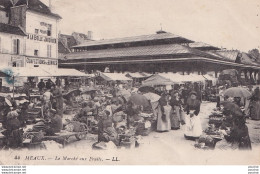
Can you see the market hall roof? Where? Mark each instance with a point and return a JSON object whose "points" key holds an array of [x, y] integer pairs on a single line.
{"points": [[202, 46], [37, 6], [154, 50], [166, 37], [10, 29]]}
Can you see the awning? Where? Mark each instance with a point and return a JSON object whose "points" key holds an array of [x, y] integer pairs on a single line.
{"points": [[25, 72], [194, 78], [64, 72], [157, 80], [135, 75], [114, 77], [174, 77], [208, 77]]}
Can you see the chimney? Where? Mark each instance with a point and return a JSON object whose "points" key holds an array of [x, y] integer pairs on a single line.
{"points": [[50, 5], [90, 35]]}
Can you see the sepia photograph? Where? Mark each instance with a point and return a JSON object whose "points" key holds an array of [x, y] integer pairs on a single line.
{"points": [[129, 82]]}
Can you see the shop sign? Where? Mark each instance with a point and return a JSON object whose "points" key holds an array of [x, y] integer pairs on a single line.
{"points": [[41, 61], [17, 58], [41, 38]]}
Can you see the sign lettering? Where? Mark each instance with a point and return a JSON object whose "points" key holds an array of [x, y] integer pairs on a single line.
{"points": [[41, 61], [41, 38]]}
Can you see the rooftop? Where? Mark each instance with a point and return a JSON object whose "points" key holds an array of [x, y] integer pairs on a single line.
{"points": [[203, 46], [154, 50], [171, 38], [38, 6], [6, 28]]}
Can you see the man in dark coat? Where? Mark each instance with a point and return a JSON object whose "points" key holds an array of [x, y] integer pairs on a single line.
{"points": [[49, 84], [41, 85]]}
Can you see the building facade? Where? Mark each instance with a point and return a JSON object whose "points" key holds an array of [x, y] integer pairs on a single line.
{"points": [[12, 46], [35, 19]]}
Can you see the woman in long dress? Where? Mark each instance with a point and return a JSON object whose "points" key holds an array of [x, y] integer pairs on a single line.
{"points": [[175, 103], [255, 105], [193, 128], [163, 115]]}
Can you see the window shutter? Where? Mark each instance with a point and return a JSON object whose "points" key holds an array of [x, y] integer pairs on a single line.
{"points": [[14, 46]]}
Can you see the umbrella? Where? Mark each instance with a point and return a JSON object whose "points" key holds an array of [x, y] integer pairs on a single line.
{"points": [[152, 97], [125, 93], [75, 91], [232, 107], [140, 100], [237, 92], [146, 89]]}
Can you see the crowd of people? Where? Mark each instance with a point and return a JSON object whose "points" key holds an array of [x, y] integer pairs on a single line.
{"points": [[114, 113]]}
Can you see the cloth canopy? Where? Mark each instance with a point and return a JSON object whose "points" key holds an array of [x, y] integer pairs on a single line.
{"points": [[25, 72], [193, 78], [114, 77], [41, 72], [64, 72], [157, 80], [135, 75], [146, 74], [174, 77]]}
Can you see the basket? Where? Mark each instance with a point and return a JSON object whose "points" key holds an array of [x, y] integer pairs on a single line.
{"points": [[128, 143]]}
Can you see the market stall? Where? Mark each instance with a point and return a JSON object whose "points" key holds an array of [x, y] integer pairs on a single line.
{"points": [[113, 78]]}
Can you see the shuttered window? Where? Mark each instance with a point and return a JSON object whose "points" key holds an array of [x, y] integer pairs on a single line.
{"points": [[16, 46]]}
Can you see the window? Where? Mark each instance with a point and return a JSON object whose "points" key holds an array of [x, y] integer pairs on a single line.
{"points": [[48, 50], [16, 46], [36, 31], [14, 64], [49, 27], [36, 52]]}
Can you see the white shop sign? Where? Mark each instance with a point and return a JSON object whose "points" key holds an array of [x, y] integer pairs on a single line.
{"points": [[41, 61]]}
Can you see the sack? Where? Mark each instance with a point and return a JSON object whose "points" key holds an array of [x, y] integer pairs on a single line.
{"points": [[182, 117]]}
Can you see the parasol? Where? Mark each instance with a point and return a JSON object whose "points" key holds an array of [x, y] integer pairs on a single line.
{"points": [[237, 92], [68, 94], [124, 93], [140, 100], [152, 97]]}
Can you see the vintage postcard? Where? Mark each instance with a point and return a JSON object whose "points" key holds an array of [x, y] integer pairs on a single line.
{"points": [[119, 82]]}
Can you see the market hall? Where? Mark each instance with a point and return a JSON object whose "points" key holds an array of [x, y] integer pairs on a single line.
{"points": [[160, 52]]}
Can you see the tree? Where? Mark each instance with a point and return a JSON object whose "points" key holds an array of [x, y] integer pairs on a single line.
{"points": [[255, 54]]}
